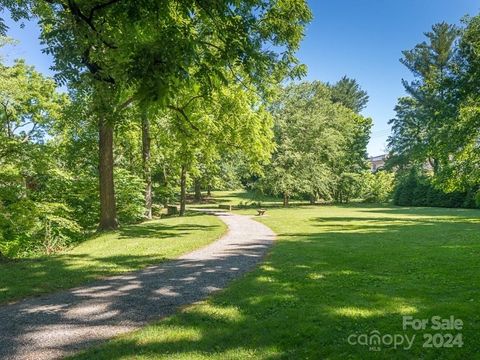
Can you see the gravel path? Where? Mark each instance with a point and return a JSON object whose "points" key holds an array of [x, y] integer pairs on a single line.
{"points": [[56, 325]]}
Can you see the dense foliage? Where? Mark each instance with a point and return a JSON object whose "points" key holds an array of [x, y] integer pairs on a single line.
{"points": [[320, 146], [147, 114], [378, 187], [435, 131], [34, 213], [348, 92], [162, 55], [417, 189]]}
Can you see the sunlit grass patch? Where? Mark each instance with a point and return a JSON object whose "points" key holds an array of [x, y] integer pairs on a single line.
{"points": [[334, 271], [130, 248]]}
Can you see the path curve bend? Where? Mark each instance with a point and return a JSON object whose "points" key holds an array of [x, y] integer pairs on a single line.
{"points": [[60, 324]]}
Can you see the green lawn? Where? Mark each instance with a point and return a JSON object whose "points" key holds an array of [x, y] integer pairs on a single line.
{"points": [[245, 198], [335, 271], [131, 248]]}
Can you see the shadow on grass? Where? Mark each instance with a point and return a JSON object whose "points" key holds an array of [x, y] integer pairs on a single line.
{"points": [[41, 275], [87, 315], [38, 275], [160, 231], [318, 288]]}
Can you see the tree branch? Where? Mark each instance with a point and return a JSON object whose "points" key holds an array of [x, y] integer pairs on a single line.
{"points": [[76, 12], [190, 101], [100, 7], [184, 115]]}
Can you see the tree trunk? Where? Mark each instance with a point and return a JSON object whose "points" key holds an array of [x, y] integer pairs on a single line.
{"points": [[313, 199], [285, 199], [198, 191], [183, 190], [147, 171], [108, 212], [164, 182], [209, 191]]}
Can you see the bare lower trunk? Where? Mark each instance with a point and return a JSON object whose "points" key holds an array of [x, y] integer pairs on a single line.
{"points": [[183, 190], [108, 212], [285, 199], [209, 191], [198, 191], [147, 172], [313, 199], [164, 183]]}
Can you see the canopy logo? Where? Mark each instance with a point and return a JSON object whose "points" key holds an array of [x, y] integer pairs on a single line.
{"points": [[442, 338], [375, 340]]}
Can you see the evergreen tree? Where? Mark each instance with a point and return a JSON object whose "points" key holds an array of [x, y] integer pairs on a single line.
{"points": [[349, 93]]}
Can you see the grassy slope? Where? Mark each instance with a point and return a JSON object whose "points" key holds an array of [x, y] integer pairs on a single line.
{"points": [[131, 248], [334, 271]]}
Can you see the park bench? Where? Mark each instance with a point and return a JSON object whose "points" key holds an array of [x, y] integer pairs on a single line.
{"points": [[261, 212], [172, 210]]}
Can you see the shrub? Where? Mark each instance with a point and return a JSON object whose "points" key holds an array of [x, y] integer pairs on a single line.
{"points": [[83, 199], [477, 199], [129, 192], [378, 187], [32, 227], [57, 229], [417, 189]]}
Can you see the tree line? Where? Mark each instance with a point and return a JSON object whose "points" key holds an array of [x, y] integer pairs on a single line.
{"points": [[163, 97], [434, 145], [321, 142], [191, 77]]}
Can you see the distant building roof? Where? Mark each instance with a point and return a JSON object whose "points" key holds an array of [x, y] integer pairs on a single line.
{"points": [[377, 162], [378, 157]]}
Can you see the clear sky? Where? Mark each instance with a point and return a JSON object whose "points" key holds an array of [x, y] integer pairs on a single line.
{"points": [[362, 39]]}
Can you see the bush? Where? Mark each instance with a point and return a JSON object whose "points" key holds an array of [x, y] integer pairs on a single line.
{"points": [[57, 229], [34, 213], [378, 187], [41, 227], [417, 189], [129, 192], [477, 199], [82, 197]]}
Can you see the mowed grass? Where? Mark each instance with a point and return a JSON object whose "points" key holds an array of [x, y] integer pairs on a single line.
{"points": [[131, 248], [245, 198], [334, 271]]}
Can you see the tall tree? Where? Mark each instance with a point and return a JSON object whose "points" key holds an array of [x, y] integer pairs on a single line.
{"points": [[421, 116], [111, 46], [146, 162], [460, 145], [229, 120], [317, 141], [348, 92]]}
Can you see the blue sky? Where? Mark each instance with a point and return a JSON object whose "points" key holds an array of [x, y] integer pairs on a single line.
{"points": [[362, 39]]}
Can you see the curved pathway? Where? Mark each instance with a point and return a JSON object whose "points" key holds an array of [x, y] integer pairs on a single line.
{"points": [[56, 325]]}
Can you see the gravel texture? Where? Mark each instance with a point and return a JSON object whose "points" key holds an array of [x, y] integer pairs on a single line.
{"points": [[53, 326]]}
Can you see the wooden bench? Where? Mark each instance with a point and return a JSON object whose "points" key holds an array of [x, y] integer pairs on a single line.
{"points": [[261, 212], [172, 210]]}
